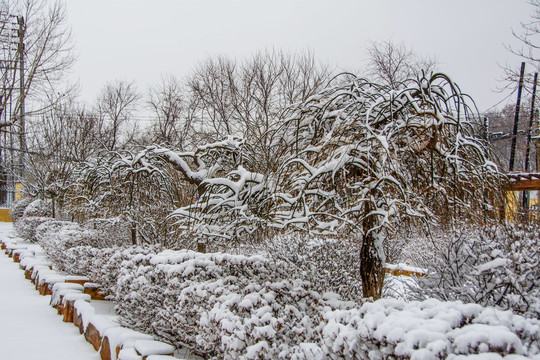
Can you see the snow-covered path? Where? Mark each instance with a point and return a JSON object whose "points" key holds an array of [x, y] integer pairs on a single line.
{"points": [[30, 329]]}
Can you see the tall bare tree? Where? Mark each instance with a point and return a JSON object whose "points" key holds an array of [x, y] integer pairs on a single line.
{"points": [[115, 106], [247, 99], [391, 63], [529, 36], [169, 105], [46, 47], [60, 138]]}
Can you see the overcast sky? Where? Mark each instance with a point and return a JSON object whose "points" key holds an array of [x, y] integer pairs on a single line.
{"points": [[142, 40]]}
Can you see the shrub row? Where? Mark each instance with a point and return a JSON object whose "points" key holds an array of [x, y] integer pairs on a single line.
{"points": [[249, 307], [497, 266]]}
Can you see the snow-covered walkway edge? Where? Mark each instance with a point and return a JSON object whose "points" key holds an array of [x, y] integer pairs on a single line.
{"points": [[228, 306], [29, 327], [28, 334]]}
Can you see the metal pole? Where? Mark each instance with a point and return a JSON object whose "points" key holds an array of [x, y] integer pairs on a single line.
{"points": [[531, 121], [516, 119], [22, 120], [537, 142], [526, 194]]}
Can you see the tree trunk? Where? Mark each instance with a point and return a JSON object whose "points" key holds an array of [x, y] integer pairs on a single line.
{"points": [[371, 259], [134, 234]]}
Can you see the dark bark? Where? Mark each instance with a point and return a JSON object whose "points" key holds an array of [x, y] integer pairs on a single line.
{"points": [[371, 260], [134, 234]]}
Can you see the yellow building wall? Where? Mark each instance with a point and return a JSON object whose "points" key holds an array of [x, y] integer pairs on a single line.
{"points": [[4, 215], [512, 199], [18, 190], [513, 204]]}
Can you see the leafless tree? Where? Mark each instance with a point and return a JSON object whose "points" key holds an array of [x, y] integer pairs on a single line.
{"points": [[168, 104], [60, 138], [115, 106], [391, 63], [529, 36], [124, 184], [360, 158], [47, 49], [247, 99]]}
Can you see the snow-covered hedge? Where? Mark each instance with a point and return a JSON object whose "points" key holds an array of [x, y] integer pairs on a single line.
{"points": [[224, 306], [394, 329], [57, 238], [239, 307], [26, 226], [18, 207], [498, 266], [110, 232], [77, 248], [330, 264], [109, 263], [227, 306], [38, 207], [34, 213]]}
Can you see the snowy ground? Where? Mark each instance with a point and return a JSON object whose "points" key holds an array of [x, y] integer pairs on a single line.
{"points": [[30, 328]]}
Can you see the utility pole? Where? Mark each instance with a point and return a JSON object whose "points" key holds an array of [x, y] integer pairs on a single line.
{"points": [[22, 113], [537, 118], [531, 121], [516, 119], [527, 151]]}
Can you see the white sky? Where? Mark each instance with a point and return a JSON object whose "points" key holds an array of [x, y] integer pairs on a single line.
{"points": [[143, 39]]}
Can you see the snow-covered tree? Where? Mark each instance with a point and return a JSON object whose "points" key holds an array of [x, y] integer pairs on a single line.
{"points": [[492, 266], [364, 158], [144, 186], [123, 184]]}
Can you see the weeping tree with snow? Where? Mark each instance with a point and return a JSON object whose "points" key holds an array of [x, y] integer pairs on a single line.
{"points": [[143, 186], [124, 185], [360, 158]]}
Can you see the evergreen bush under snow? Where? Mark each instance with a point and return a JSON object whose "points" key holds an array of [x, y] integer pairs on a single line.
{"points": [[238, 307], [39, 207]]}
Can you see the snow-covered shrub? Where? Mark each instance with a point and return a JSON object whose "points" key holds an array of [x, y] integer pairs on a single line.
{"points": [[222, 305], [39, 207], [79, 260], [394, 329], [248, 307], [497, 266], [109, 232], [57, 238], [34, 214], [330, 264], [110, 263], [18, 207], [26, 226]]}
